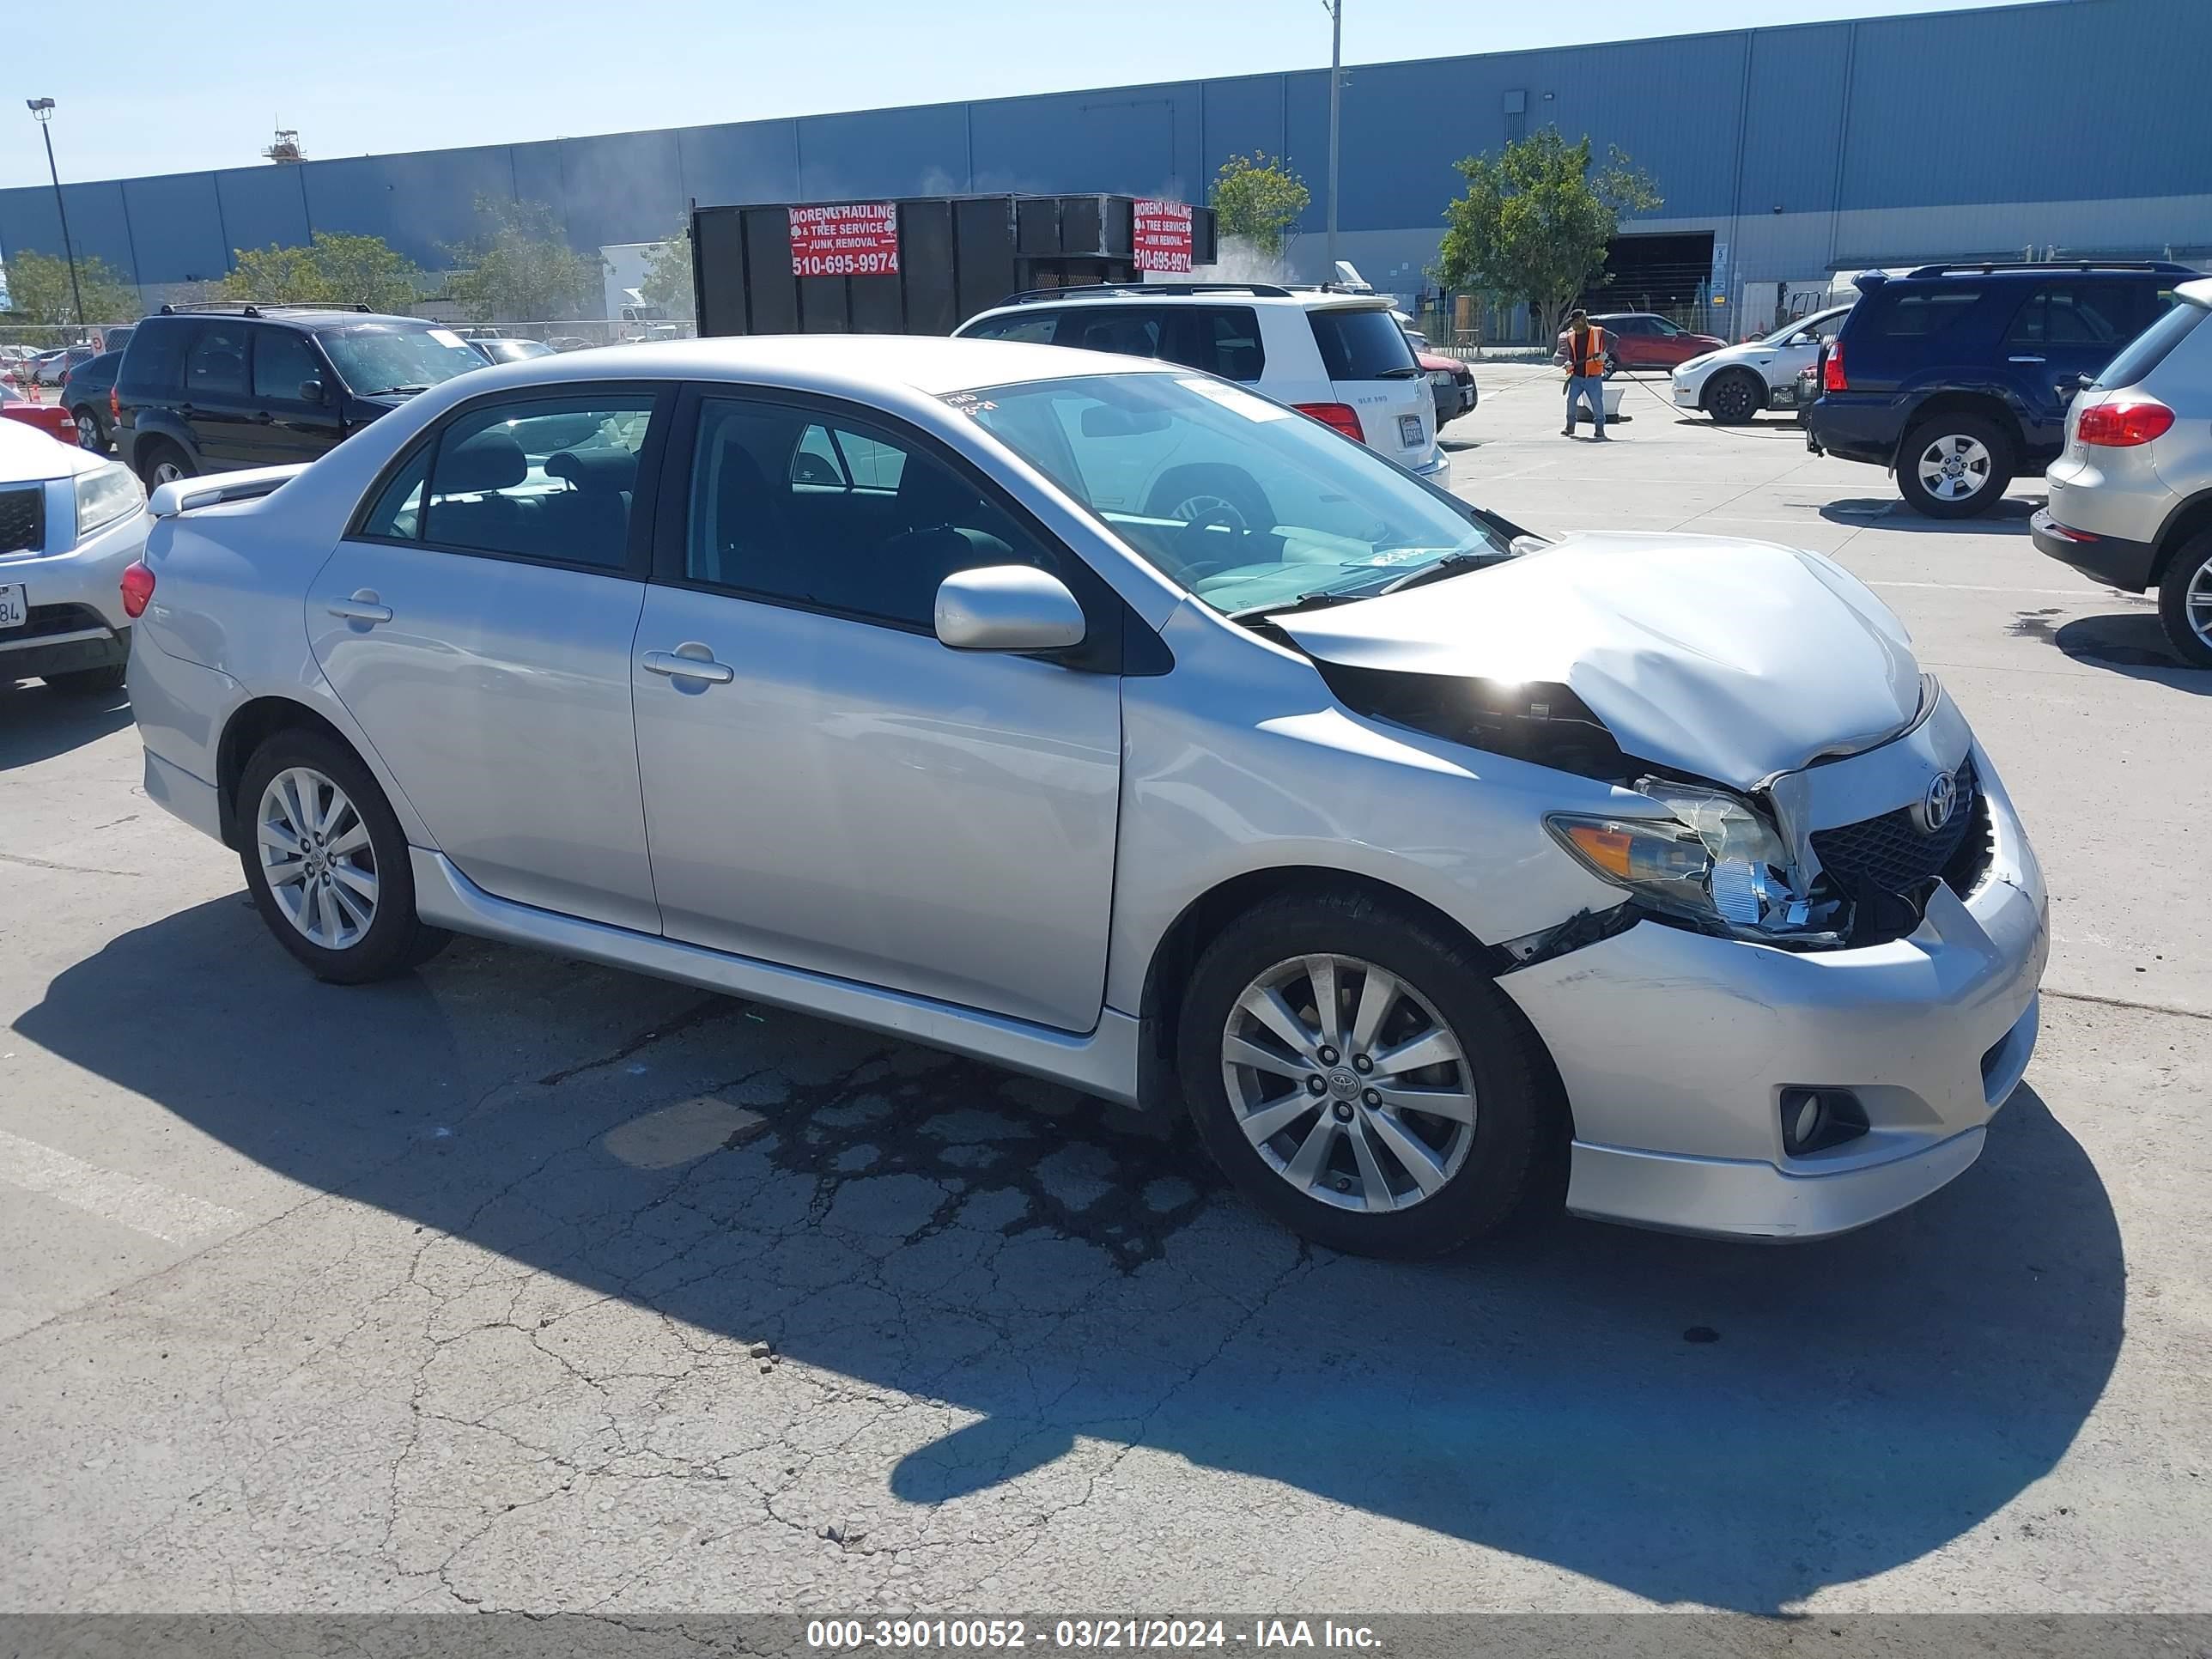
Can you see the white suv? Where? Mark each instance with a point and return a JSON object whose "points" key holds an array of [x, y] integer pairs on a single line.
{"points": [[1340, 358]]}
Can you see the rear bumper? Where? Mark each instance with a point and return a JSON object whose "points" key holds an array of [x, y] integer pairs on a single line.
{"points": [[2112, 560], [1867, 433], [1436, 469]]}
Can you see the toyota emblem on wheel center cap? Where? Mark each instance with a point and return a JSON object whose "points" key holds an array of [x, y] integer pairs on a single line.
{"points": [[1938, 803]]}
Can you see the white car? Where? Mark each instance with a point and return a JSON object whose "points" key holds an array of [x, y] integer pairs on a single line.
{"points": [[1417, 859], [71, 524], [1340, 358], [1734, 383]]}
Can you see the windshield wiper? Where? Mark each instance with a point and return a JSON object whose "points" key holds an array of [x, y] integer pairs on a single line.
{"points": [[1303, 602], [1450, 565], [389, 391], [1411, 371]]}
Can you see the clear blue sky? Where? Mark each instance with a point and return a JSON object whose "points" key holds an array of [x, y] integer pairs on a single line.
{"points": [[145, 86]]}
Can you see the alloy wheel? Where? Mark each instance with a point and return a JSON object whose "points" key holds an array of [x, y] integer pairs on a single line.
{"points": [[87, 433], [1349, 1084], [167, 472], [1954, 467], [2196, 604], [317, 857], [1732, 400]]}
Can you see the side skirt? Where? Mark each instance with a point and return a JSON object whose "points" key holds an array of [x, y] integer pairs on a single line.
{"points": [[1101, 1062]]}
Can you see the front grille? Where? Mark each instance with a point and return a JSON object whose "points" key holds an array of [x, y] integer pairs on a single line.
{"points": [[22, 520], [1892, 854]]}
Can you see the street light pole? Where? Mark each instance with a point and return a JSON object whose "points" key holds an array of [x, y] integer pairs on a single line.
{"points": [[1335, 93], [43, 110]]}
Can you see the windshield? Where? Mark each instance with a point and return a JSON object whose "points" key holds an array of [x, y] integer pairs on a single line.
{"points": [[378, 357], [513, 351], [1819, 319], [1247, 504]]}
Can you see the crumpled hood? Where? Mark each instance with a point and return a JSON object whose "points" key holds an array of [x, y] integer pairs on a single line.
{"points": [[1728, 660]]}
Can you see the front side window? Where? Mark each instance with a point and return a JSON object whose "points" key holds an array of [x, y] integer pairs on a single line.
{"points": [[552, 479], [837, 515], [281, 360], [216, 366], [376, 359], [2071, 314], [1249, 505]]}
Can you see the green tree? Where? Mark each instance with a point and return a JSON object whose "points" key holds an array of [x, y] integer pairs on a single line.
{"points": [[39, 289], [332, 269], [520, 269], [1258, 198], [668, 274], [1536, 220]]}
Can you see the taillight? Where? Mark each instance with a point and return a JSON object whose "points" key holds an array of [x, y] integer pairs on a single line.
{"points": [[1832, 378], [1342, 416], [114, 408], [137, 589], [2124, 423]]}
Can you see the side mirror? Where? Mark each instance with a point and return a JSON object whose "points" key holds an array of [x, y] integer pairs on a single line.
{"points": [[1007, 607], [311, 391]]}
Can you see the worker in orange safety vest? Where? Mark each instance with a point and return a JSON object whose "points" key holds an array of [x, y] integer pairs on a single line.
{"points": [[1583, 350]]}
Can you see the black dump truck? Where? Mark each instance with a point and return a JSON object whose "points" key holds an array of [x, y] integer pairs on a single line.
{"points": [[924, 264]]}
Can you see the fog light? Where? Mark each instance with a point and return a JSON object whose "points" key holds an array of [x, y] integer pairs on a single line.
{"points": [[1813, 1119]]}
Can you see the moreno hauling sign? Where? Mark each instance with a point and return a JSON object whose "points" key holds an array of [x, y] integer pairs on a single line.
{"points": [[1163, 235], [852, 239]]}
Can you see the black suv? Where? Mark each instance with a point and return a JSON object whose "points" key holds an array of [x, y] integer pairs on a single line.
{"points": [[209, 388], [1958, 376]]}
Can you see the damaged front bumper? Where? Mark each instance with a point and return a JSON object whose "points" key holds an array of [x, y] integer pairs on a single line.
{"points": [[1678, 1105]]}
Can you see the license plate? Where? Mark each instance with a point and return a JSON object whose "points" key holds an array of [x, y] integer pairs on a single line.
{"points": [[1410, 432], [14, 604]]}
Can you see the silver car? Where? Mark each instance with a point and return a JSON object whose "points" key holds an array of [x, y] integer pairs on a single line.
{"points": [[1432, 868], [2131, 496]]}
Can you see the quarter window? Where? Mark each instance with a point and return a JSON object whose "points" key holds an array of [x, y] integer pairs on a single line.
{"points": [[1029, 328], [1923, 315], [397, 514], [837, 516], [551, 479]]}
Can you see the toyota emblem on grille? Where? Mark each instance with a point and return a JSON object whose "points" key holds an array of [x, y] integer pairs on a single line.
{"points": [[1938, 803]]}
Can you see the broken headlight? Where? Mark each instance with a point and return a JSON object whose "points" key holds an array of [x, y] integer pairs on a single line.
{"points": [[1715, 862]]}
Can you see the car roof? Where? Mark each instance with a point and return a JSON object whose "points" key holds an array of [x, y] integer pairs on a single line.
{"points": [[849, 365], [302, 316], [1135, 295]]}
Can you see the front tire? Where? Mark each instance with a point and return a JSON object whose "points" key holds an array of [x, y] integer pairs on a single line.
{"points": [[1735, 397], [164, 463], [2185, 602], [326, 861], [1360, 1078], [1954, 466]]}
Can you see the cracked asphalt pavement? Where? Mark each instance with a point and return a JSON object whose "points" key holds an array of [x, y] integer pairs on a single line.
{"points": [[520, 1283]]}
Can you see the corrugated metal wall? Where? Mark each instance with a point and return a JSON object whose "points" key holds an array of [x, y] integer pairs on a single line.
{"points": [[1812, 127]]}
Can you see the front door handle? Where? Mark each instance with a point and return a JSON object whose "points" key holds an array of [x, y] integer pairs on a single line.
{"points": [[2023, 360], [689, 661], [362, 607]]}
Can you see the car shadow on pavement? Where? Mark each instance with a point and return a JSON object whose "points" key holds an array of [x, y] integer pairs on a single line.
{"points": [[38, 722], [2131, 643], [997, 1275], [2009, 517]]}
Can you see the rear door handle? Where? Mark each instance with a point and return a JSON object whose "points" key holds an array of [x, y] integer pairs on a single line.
{"points": [[362, 607], [681, 665]]}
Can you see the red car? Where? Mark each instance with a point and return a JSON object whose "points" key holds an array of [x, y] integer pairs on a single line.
{"points": [[51, 418], [1640, 339]]}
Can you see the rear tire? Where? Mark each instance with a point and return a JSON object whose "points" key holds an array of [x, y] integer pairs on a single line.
{"points": [[1734, 397], [2184, 601], [1338, 1165], [347, 903], [1984, 460], [91, 432], [162, 461]]}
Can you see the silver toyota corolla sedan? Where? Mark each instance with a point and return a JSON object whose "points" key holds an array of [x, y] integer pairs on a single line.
{"points": [[1433, 868]]}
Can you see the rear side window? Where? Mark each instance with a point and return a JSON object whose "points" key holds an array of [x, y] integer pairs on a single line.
{"points": [[2143, 354], [216, 366], [155, 359], [1362, 345], [551, 480], [1223, 341], [1126, 331], [1921, 313]]}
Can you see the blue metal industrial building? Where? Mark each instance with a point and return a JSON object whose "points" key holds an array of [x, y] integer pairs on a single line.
{"points": [[1799, 150]]}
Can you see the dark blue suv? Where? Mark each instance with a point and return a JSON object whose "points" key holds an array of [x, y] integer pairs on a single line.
{"points": [[1958, 376]]}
